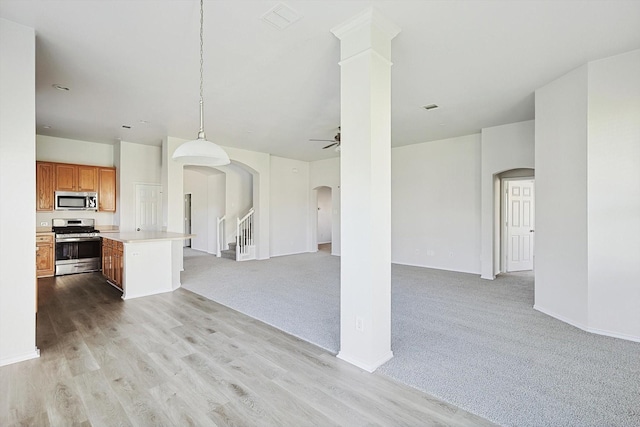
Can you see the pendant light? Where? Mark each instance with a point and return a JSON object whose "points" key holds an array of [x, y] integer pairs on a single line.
{"points": [[200, 151]]}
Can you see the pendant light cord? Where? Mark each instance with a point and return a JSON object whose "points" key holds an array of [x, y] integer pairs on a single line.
{"points": [[201, 133], [200, 151]]}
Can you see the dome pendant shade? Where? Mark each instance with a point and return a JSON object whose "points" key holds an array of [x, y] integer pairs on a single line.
{"points": [[200, 151]]}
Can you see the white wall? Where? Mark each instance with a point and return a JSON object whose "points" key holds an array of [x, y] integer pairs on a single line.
{"points": [[139, 164], [62, 150], [195, 183], [289, 206], [216, 184], [172, 187], [207, 189], [324, 211], [325, 173], [435, 211], [613, 167], [503, 148], [17, 184], [561, 198]]}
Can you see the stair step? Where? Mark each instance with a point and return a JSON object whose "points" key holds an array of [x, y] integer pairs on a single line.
{"points": [[228, 254], [232, 246]]}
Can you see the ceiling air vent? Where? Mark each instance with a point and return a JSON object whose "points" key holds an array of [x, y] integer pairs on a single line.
{"points": [[430, 107], [281, 16]]}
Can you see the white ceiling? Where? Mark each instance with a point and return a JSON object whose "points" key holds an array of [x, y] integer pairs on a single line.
{"points": [[271, 90]]}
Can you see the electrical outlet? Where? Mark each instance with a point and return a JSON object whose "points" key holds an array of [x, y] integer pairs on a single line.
{"points": [[43, 223], [359, 324]]}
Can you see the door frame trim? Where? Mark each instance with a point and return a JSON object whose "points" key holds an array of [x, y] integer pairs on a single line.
{"points": [[503, 210]]}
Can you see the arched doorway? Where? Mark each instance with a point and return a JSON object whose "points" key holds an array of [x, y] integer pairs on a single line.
{"points": [[223, 191]]}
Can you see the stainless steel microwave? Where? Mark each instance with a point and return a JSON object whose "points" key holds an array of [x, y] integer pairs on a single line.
{"points": [[76, 201]]}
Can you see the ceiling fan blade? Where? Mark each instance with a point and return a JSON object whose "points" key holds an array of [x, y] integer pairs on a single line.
{"points": [[331, 145]]}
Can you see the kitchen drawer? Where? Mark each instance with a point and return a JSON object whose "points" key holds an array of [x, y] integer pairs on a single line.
{"points": [[44, 238]]}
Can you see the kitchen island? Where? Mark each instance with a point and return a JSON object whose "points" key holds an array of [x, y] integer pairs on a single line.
{"points": [[143, 263]]}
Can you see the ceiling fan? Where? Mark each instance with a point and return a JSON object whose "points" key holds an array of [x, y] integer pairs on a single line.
{"points": [[335, 142]]}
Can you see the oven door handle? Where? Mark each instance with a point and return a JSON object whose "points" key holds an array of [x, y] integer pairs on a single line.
{"points": [[77, 239]]}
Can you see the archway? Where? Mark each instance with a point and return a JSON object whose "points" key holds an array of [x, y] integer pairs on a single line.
{"points": [[218, 192]]}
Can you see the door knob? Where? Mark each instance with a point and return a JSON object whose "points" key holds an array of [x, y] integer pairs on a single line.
{"points": [[530, 231], [138, 229]]}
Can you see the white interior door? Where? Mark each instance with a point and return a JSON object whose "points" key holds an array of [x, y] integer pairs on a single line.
{"points": [[148, 207], [520, 225]]}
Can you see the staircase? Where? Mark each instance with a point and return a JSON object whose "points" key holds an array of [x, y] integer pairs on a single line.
{"points": [[243, 249]]}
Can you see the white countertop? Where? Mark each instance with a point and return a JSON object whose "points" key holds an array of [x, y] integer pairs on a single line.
{"points": [[145, 236]]}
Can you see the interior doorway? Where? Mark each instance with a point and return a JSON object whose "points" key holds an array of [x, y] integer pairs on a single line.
{"points": [[518, 225], [187, 219], [148, 207], [324, 223]]}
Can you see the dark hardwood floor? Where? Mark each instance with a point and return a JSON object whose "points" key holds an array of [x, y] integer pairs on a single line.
{"points": [[178, 359]]}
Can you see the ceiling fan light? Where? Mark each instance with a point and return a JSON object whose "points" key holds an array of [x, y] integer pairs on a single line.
{"points": [[202, 153]]}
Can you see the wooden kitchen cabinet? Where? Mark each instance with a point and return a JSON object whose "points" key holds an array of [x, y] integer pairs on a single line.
{"points": [[118, 268], [66, 177], [87, 178], [106, 257], [52, 177], [45, 255], [45, 176], [107, 189], [112, 261], [76, 177]]}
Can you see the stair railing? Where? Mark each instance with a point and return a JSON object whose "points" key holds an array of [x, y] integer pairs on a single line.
{"points": [[245, 241], [220, 235]]}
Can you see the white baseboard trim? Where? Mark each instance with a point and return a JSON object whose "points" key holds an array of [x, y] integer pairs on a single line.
{"points": [[21, 358], [286, 254], [129, 296], [586, 328], [614, 334], [434, 268], [561, 318], [367, 366]]}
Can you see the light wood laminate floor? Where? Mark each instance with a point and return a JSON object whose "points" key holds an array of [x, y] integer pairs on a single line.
{"points": [[178, 359]]}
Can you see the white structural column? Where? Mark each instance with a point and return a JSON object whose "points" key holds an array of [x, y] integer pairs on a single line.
{"points": [[365, 170]]}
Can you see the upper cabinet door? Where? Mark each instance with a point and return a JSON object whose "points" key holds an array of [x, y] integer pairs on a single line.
{"points": [[87, 178], [66, 177], [107, 189], [44, 186]]}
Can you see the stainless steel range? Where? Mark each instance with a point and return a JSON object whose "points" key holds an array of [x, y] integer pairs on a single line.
{"points": [[77, 246]]}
